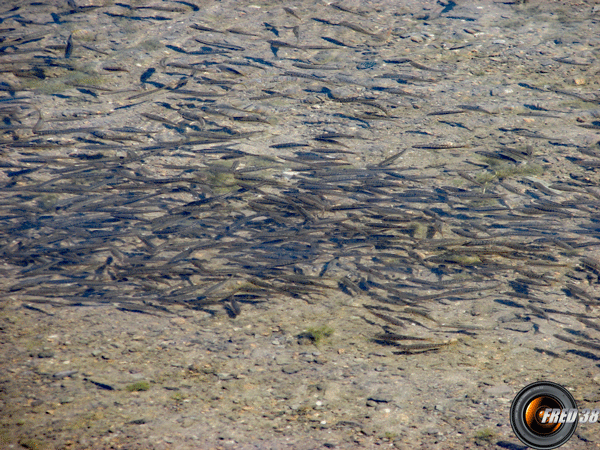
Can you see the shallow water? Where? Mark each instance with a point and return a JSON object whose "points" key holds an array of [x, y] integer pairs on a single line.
{"points": [[228, 156]]}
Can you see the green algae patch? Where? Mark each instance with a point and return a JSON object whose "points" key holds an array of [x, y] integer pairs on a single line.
{"points": [[138, 386]]}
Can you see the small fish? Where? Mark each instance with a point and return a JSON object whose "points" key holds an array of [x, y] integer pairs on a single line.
{"points": [[234, 308], [589, 323], [161, 8], [446, 112], [580, 342], [547, 352], [591, 264], [336, 42], [220, 45], [441, 146], [115, 69], [387, 318], [203, 28], [281, 44], [240, 31], [343, 8], [159, 119], [475, 108], [421, 348], [65, 131], [356, 28], [292, 12], [69, 47], [573, 61], [581, 293], [423, 67], [289, 145], [296, 31]]}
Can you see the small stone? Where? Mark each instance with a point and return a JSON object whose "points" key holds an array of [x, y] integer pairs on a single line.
{"points": [[320, 360], [291, 368], [140, 421], [498, 390], [188, 422], [46, 353], [507, 318], [501, 91], [64, 374], [579, 81], [283, 360], [307, 358]]}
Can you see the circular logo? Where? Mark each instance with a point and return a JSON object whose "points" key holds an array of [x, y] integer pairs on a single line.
{"points": [[543, 415]]}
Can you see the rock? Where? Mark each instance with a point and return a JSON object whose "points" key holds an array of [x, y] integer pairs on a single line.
{"points": [[64, 374], [501, 91], [187, 422], [320, 359], [283, 360], [46, 353], [499, 390], [507, 318], [291, 368]]}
